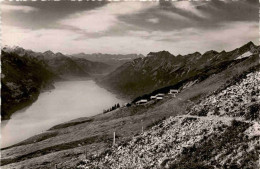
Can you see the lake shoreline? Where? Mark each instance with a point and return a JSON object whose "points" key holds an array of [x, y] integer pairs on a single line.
{"points": [[79, 106], [49, 87], [27, 103]]}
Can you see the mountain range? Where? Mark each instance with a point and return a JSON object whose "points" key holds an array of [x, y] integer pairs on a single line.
{"points": [[213, 121], [161, 69], [137, 77], [26, 73], [63, 65], [114, 60]]}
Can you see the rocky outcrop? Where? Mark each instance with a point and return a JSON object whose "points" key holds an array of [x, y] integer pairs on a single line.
{"points": [[240, 100]]}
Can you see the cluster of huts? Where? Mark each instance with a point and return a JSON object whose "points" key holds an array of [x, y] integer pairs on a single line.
{"points": [[158, 96]]}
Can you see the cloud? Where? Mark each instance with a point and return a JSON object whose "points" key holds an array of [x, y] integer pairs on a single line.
{"points": [[203, 15], [136, 27], [103, 18], [10, 8], [228, 37], [153, 20], [38, 40], [184, 41], [189, 7], [173, 16]]}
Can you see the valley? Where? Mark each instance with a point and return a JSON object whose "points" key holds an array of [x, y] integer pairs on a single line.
{"points": [[87, 141], [27, 73], [130, 84]]}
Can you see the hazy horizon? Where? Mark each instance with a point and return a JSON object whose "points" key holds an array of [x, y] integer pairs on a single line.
{"points": [[124, 53]]}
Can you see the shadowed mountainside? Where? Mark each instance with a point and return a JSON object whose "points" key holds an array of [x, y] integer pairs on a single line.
{"points": [[22, 80], [63, 65], [162, 69]]}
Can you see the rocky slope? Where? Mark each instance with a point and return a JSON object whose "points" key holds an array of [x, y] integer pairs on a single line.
{"points": [[204, 138], [22, 80], [162, 69], [240, 100]]}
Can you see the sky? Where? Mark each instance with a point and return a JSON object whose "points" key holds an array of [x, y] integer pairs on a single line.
{"points": [[180, 27]]}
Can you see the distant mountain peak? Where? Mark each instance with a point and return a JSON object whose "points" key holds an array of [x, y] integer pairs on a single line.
{"points": [[165, 52], [48, 52], [6, 48], [194, 54], [250, 43], [160, 53], [17, 49], [11, 47], [248, 46], [197, 53], [59, 54], [82, 53], [211, 52]]}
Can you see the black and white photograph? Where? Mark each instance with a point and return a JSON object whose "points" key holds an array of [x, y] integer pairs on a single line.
{"points": [[130, 84]]}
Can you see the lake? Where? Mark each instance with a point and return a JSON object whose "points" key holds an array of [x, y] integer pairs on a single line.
{"points": [[69, 100]]}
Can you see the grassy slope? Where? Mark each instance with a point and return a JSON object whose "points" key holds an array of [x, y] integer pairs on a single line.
{"points": [[95, 134]]}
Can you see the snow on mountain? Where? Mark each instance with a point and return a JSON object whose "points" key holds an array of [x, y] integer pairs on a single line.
{"points": [[245, 55]]}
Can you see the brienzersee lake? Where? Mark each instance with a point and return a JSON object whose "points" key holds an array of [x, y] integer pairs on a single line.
{"points": [[69, 100]]}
